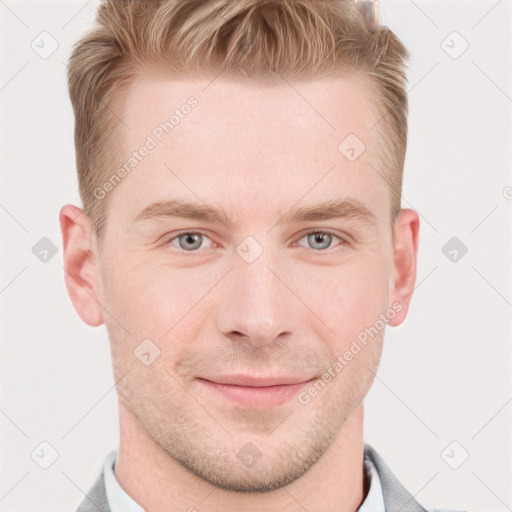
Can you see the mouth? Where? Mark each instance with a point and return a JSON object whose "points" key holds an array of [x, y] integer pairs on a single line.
{"points": [[260, 392]]}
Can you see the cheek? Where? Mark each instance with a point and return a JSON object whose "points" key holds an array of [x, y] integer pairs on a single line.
{"points": [[157, 302], [151, 297], [349, 297]]}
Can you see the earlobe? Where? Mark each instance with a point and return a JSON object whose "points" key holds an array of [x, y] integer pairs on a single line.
{"points": [[406, 238], [80, 262]]}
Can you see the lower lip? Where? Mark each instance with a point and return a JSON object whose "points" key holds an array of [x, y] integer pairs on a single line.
{"points": [[268, 396]]}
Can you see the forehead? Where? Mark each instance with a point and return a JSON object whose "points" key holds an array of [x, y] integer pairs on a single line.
{"points": [[314, 109], [263, 143]]}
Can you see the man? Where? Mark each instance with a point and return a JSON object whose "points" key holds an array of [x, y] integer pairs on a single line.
{"points": [[242, 240]]}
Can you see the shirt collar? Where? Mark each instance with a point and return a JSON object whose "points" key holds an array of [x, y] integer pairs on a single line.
{"points": [[120, 501], [374, 501]]}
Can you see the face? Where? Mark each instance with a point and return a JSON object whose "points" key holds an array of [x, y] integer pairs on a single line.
{"points": [[248, 295]]}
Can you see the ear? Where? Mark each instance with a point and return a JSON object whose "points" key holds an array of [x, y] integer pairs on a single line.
{"points": [[405, 251], [80, 260]]}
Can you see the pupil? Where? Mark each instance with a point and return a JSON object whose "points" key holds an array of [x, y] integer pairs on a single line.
{"points": [[320, 238], [190, 240]]}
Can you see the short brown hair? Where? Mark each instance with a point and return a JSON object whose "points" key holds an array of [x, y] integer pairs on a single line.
{"points": [[257, 39]]}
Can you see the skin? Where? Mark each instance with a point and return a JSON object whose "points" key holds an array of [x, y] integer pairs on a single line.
{"points": [[256, 152]]}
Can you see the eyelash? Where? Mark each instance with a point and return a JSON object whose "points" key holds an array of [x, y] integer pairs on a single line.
{"points": [[181, 251]]}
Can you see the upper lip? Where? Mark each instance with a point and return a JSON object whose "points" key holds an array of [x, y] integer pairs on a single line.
{"points": [[257, 381]]}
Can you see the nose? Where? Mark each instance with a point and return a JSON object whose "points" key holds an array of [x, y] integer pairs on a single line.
{"points": [[258, 305]]}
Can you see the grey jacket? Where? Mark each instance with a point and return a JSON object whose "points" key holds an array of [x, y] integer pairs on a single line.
{"points": [[396, 498]]}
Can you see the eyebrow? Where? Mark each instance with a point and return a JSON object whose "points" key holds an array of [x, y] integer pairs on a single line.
{"points": [[331, 209]]}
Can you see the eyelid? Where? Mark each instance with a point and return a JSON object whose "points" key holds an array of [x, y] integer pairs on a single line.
{"points": [[342, 240], [173, 236]]}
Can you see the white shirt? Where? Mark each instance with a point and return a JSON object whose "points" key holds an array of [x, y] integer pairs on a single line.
{"points": [[374, 501], [120, 501], [117, 497]]}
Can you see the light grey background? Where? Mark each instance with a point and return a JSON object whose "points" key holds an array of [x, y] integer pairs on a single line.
{"points": [[446, 372]]}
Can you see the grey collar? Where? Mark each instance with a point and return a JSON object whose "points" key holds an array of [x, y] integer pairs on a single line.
{"points": [[396, 497]]}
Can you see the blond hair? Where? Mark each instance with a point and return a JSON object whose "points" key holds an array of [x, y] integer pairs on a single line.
{"points": [[258, 39]]}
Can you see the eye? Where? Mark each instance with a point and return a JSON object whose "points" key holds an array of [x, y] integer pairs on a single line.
{"points": [[192, 241], [187, 241], [321, 240]]}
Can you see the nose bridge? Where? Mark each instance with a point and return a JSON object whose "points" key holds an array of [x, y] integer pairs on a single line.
{"points": [[256, 304]]}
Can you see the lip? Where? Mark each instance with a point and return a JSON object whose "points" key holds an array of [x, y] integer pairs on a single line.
{"points": [[259, 392], [257, 381]]}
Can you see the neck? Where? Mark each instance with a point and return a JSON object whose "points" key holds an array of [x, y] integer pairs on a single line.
{"points": [[335, 483]]}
